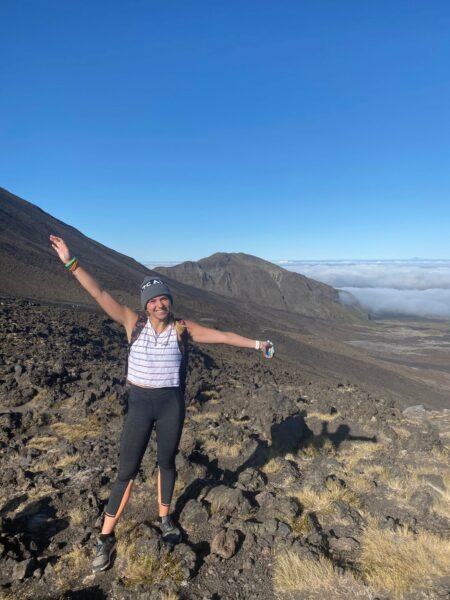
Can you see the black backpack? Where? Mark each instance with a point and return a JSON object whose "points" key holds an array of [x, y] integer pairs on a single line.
{"points": [[182, 337]]}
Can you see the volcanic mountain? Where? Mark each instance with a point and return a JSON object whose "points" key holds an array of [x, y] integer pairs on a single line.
{"points": [[225, 284], [251, 279], [30, 269]]}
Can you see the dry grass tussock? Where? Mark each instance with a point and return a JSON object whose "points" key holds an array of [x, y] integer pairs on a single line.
{"points": [[75, 559], [59, 463], [66, 460], [24, 593], [141, 568], [320, 503], [402, 561], [302, 525], [315, 445], [275, 462], [442, 505], [76, 516], [379, 472], [90, 426], [273, 465], [402, 488], [442, 454], [71, 567], [353, 455], [321, 416], [358, 473], [221, 449], [31, 495], [204, 416], [359, 483], [143, 494], [125, 528], [43, 442], [210, 395], [36, 493], [316, 579], [38, 398]]}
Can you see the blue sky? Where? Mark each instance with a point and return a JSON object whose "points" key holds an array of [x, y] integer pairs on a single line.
{"points": [[170, 130]]}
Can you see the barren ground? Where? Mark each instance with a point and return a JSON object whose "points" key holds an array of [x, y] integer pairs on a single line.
{"points": [[289, 487]]}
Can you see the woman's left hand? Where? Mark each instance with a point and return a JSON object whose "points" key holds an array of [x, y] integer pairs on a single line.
{"points": [[60, 247], [267, 348]]}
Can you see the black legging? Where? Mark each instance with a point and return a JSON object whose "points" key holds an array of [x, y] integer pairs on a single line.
{"points": [[164, 408]]}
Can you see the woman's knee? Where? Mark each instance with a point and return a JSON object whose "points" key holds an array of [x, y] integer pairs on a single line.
{"points": [[125, 475], [166, 463]]}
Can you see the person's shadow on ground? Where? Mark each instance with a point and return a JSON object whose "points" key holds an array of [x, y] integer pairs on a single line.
{"points": [[342, 434], [38, 522], [289, 436]]}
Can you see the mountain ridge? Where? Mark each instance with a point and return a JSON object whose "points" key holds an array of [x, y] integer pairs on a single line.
{"points": [[250, 278], [30, 269]]}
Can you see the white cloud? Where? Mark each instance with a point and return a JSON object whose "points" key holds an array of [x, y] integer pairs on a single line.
{"points": [[413, 288], [434, 302], [160, 263], [420, 275]]}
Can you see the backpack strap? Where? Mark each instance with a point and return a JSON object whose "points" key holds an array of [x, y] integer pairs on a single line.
{"points": [[137, 329], [183, 339]]}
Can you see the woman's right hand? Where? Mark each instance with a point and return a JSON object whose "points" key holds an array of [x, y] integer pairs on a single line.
{"points": [[60, 247]]}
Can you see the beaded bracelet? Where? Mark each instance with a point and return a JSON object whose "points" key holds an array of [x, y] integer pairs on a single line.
{"points": [[70, 263], [74, 266]]}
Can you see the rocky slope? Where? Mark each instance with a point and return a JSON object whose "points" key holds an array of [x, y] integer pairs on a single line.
{"points": [[30, 268], [251, 279], [287, 488]]}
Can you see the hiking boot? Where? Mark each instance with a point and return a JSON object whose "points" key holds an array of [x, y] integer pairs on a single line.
{"points": [[103, 552], [170, 533]]}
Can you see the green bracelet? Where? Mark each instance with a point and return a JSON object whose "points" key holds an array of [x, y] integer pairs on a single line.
{"points": [[70, 263]]}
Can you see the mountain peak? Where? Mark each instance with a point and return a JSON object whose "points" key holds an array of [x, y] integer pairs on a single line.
{"points": [[252, 279]]}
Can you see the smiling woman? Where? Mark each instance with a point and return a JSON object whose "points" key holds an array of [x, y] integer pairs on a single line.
{"points": [[158, 344]]}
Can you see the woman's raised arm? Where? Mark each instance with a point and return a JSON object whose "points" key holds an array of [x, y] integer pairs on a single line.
{"points": [[118, 312]]}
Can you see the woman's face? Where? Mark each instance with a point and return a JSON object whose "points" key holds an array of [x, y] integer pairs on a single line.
{"points": [[159, 308]]}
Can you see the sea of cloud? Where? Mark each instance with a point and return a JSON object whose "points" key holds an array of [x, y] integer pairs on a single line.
{"points": [[413, 287]]}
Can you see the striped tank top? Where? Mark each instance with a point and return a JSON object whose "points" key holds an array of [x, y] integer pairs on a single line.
{"points": [[154, 360]]}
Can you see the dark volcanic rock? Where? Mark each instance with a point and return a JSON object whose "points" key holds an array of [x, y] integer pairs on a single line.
{"points": [[194, 516], [270, 461], [224, 543], [227, 501]]}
